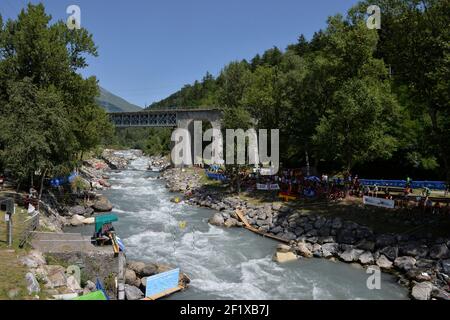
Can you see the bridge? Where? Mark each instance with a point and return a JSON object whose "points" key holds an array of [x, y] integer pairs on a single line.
{"points": [[180, 118], [170, 118]]}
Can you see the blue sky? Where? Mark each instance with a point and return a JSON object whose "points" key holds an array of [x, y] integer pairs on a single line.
{"points": [[149, 49]]}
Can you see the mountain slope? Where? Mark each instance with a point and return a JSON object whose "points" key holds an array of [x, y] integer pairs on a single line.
{"points": [[112, 103]]}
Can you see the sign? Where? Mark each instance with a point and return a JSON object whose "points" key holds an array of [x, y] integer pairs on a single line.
{"points": [[267, 171], [162, 282], [379, 202], [260, 186], [31, 209], [433, 185], [7, 217]]}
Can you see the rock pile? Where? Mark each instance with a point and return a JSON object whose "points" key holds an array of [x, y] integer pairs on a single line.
{"points": [[56, 279], [119, 159], [179, 180], [158, 163], [421, 264], [284, 254], [136, 275]]}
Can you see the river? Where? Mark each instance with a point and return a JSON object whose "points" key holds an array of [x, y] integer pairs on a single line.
{"points": [[223, 263]]}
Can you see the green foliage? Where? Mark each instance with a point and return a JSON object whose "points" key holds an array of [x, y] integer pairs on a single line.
{"points": [[350, 96], [153, 141], [48, 113], [356, 130], [113, 103], [79, 185]]}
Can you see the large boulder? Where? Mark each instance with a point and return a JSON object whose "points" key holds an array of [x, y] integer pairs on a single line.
{"points": [[445, 266], [32, 284], [230, 223], [390, 252], [77, 220], [303, 250], [90, 220], [385, 240], [130, 277], [283, 257], [351, 255], [217, 220], [276, 206], [366, 258], [283, 248], [439, 251], [56, 276], [79, 210], [337, 223], [136, 266], [133, 293], [330, 249], [405, 263], [366, 245], [28, 262], [72, 284], [317, 250], [422, 291], [440, 294], [150, 269], [102, 205], [33, 260], [384, 263], [90, 286], [419, 275], [289, 236], [414, 250], [261, 223], [345, 236], [320, 222]]}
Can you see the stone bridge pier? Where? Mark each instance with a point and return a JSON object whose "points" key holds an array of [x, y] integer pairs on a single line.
{"points": [[172, 118], [209, 120]]}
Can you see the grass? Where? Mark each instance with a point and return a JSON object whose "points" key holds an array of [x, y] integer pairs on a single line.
{"points": [[12, 272], [18, 227]]}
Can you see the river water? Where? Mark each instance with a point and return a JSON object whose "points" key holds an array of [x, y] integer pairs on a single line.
{"points": [[223, 263]]}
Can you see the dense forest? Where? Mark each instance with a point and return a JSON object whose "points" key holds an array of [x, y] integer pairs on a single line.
{"points": [[48, 114], [374, 102]]}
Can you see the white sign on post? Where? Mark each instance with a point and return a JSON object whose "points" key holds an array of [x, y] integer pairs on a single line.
{"points": [[6, 217], [379, 202]]}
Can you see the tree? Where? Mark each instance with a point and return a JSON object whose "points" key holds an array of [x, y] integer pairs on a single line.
{"points": [[356, 130], [48, 113], [235, 118], [415, 42], [33, 131]]}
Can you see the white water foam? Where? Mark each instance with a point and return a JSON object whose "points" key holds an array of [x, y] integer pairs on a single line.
{"points": [[221, 263]]}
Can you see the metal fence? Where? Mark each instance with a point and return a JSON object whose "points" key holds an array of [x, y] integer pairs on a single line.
{"points": [[17, 227], [29, 225]]}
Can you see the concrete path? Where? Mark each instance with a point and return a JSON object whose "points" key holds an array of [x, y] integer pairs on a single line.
{"points": [[49, 242]]}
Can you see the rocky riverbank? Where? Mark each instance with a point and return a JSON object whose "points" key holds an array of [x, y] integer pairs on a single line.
{"points": [[136, 275], [422, 264], [54, 276], [81, 205], [49, 276]]}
